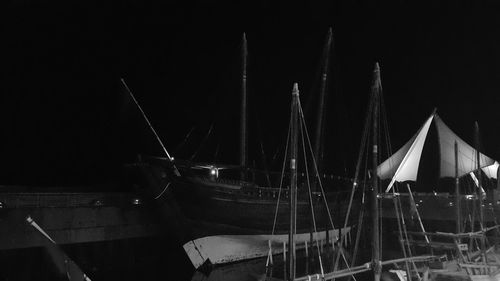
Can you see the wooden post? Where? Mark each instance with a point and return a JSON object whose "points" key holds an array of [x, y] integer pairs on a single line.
{"points": [[457, 194], [270, 254], [327, 238], [377, 267], [294, 135], [305, 247], [311, 240], [243, 117], [284, 260], [321, 242], [284, 251], [479, 191]]}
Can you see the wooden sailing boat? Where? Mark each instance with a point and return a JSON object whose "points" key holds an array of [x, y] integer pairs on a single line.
{"points": [[220, 218], [469, 257], [376, 263]]}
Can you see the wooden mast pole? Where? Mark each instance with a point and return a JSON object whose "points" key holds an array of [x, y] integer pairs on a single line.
{"points": [[318, 140], [294, 135], [374, 204], [322, 99], [243, 117], [479, 191], [457, 193]]}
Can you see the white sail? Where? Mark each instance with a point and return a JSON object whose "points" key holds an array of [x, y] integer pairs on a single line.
{"points": [[403, 165]]}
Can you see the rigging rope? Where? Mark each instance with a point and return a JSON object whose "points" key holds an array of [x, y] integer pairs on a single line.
{"points": [[184, 141], [269, 257], [301, 114], [356, 175], [311, 202], [400, 230], [316, 168], [405, 232], [281, 179], [397, 199], [202, 142]]}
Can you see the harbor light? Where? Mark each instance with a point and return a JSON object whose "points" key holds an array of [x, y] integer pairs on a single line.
{"points": [[97, 203], [214, 172]]}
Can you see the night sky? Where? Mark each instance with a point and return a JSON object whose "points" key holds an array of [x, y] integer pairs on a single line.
{"points": [[65, 119]]}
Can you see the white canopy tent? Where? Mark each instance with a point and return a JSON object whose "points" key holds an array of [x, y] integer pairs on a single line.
{"points": [[403, 165], [491, 170]]}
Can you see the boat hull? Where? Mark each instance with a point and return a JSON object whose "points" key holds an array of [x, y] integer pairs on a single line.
{"points": [[221, 249], [219, 221]]}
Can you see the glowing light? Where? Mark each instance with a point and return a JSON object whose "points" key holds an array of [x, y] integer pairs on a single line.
{"points": [[98, 203]]}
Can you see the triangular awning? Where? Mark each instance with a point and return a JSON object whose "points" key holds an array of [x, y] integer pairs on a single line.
{"points": [[491, 170], [467, 161], [403, 165]]}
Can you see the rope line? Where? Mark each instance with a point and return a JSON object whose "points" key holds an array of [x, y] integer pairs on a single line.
{"points": [[311, 202]]}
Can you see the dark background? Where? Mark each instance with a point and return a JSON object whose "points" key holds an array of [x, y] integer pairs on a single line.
{"points": [[64, 119]]}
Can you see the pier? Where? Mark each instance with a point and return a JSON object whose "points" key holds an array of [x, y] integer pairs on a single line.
{"points": [[74, 218]]}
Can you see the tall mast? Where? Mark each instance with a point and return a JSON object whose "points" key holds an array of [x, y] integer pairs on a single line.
{"points": [[147, 120], [322, 98], [457, 191], [294, 136], [479, 191], [243, 118], [170, 158], [375, 213]]}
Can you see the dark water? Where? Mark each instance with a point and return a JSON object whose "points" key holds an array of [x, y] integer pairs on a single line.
{"points": [[153, 258], [255, 270]]}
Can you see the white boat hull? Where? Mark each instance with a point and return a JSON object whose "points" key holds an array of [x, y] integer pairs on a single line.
{"points": [[220, 249]]}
